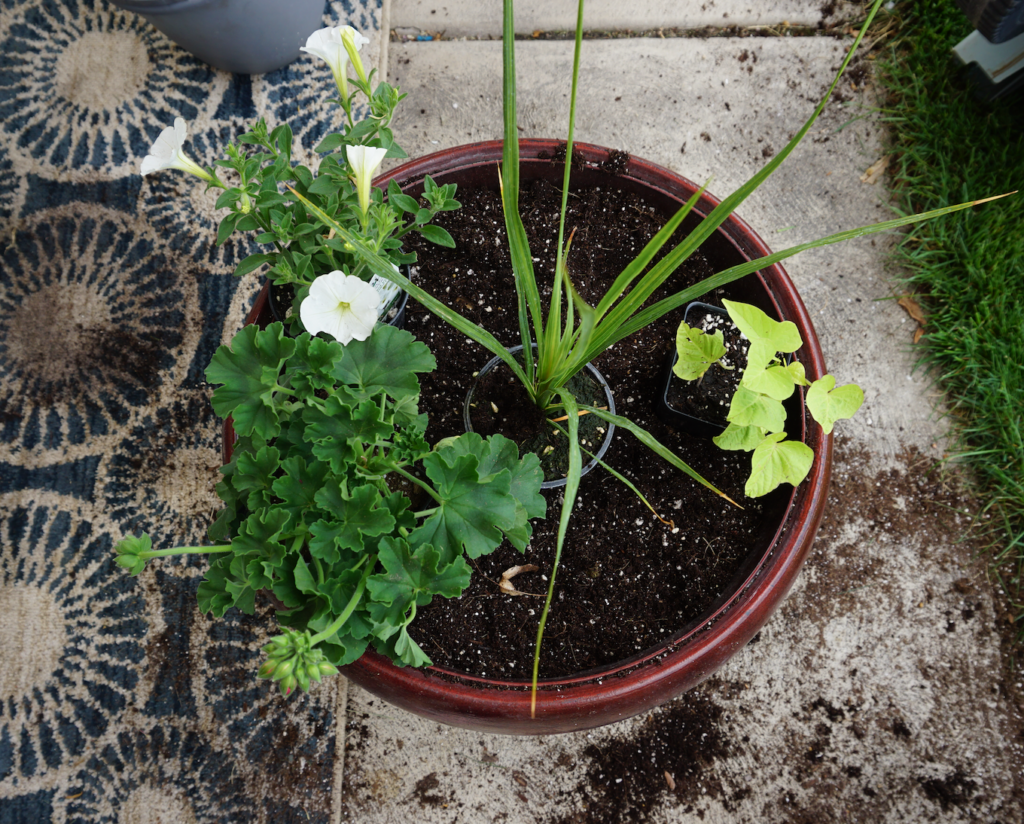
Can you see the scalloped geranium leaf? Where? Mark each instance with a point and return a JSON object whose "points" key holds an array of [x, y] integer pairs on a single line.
{"points": [[696, 351], [777, 461], [411, 577], [496, 454], [779, 336], [248, 372], [220, 589], [385, 362], [471, 512], [298, 484], [740, 438], [254, 475], [828, 404], [310, 367], [754, 409], [340, 422], [406, 649], [359, 514], [776, 382]]}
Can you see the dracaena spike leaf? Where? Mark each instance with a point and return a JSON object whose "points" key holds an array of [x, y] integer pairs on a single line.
{"points": [[777, 461], [696, 351], [384, 362], [828, 404]]}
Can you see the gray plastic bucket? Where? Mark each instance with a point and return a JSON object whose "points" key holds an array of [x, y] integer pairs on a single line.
{"points": [[243, 36]]}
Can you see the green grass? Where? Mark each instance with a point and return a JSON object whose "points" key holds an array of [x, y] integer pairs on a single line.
{"points": [[969, 266]]}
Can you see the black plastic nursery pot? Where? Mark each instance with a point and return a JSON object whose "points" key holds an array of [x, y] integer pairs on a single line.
{"points": [[679, 400]]}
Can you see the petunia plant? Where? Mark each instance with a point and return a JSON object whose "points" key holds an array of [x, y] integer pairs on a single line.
{"points": [[335, 504], [299, 246]]}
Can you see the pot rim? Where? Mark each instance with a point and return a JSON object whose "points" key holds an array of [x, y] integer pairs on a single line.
{"points": [[650, 678]]}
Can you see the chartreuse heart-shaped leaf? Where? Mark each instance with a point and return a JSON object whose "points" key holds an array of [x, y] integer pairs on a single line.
{"points": [[385, 362], [754, 409], [740, 438], [776, 461], [696, 351], [472, 511], [779, 336], [776, 382], [828, 404], [248, 372]]}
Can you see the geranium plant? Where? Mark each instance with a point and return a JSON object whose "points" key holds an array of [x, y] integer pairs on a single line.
{"points": [[567, 332], [334, 503]]}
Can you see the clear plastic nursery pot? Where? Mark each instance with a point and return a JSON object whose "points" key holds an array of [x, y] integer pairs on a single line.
{"points": [[692, 652], [596, 377]]}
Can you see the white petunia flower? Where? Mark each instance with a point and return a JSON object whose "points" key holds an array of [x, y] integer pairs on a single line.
{"points": [[166, 153], [364, 160], [342, 305], [335, 46]]}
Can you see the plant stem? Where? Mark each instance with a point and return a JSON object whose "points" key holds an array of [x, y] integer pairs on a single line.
{"points": [[185, 550], [410, 477], [353, 602]]}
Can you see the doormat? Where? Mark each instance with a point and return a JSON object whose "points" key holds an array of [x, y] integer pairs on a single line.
{"points": [[119, 701]]}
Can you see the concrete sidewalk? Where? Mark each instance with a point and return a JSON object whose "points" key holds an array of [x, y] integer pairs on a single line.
{"points": [[879, 692]]}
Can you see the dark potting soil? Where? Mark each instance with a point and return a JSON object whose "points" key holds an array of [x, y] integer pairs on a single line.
{"points": [[626, 581]]}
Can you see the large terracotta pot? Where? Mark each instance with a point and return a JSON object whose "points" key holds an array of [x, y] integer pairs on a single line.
{"points": [[694, 652]]}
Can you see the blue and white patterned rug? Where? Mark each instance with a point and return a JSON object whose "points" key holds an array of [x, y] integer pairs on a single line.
{"points": [[119, 701]]}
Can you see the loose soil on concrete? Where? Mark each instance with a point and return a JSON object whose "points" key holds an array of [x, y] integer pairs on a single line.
{"points": [[744, 748]]}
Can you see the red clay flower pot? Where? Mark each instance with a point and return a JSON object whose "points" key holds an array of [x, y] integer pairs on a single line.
{"points": [[693, 653]]}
